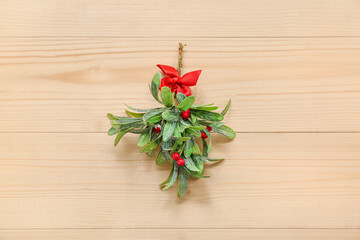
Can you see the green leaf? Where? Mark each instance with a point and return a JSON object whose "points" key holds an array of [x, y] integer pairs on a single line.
{"points": [[174, 148], [140, 110], [155, 119], [143, 139], [180, 97], [153, 116], [139, 131], [155, 84], [209, 148], [189, 147], [207, 159], [113, 131], [183, 182], [196, 149], [185, 123], [199, 162], [207, 108], [168, 145], [226, 108], [120, 135], [182, 139], [181, 149], [168, 130], [193, 133], [149, 147], [189, 163], [167, 155], [193, 119], [169, 115], [204, 105], [166, 96], [169, 177], [111, 117], [158, 136], [211, 124], [225, 130], [177, 132], [157, 79], [186, 103], [173, 177], [182, 127], [124, 120], [160, 159], [211, 116], [133, 114], [135, 124], [205, 148], [195, 174], [115, 124], [198, 127]]}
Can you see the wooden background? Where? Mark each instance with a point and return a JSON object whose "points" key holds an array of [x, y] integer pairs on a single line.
{"points": [[291, 68]]}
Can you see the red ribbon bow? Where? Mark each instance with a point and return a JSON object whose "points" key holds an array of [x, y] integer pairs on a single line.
{"points": [[177, 83]]}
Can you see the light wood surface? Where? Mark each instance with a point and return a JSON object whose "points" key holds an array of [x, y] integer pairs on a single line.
{"points": [[294, 180], [291, 69], [179, 234], [277, 85], [179, 18]]}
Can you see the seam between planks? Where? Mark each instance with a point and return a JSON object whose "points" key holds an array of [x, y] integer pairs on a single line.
{"points": [[181, 37], [242, 132], [227, 228]]}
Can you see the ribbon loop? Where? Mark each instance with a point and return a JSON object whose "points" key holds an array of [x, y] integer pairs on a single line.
{"points": [[190, 79], [168, 70]]}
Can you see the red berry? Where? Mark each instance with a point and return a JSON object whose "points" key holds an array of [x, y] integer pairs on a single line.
{"points": [[203, 135], [181, 162], [157, 129], [176, 156], [185, 114], [208, 128]]}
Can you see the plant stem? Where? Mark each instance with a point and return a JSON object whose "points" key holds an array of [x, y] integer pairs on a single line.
{"points": [[181, 47]]}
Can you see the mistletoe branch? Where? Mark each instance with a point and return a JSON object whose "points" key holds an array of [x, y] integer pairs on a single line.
{"points": [[174, 126]]}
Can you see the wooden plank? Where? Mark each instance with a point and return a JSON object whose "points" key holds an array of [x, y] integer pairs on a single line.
{"points": [[277, 85], [99, 147], [202, 18], [69, 180], [177, 234]]}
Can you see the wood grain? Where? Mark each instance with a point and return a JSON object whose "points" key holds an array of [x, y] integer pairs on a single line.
{"points": [[292, 71], [277, 85], [273, 181], [179, 234], [180, 18]]}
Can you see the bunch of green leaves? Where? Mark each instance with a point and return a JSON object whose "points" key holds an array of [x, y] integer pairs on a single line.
{"points": [[176, 135]]}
